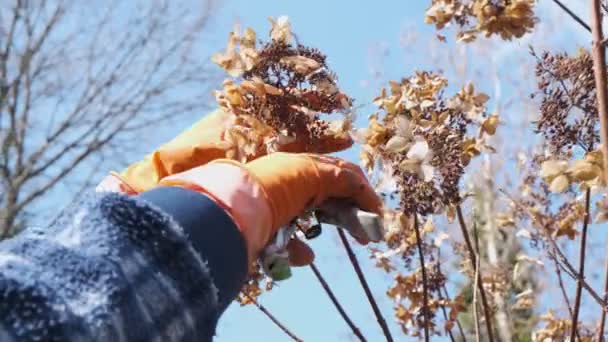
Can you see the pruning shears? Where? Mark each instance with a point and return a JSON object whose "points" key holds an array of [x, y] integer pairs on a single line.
{"points": [[275, 257]]}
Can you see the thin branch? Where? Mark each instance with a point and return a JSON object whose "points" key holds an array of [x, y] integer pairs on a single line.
{"points": [[337, 304], [425, 290], [581, 268], [562, 287], [600, 336], [368, 292], [477, 282], [445, 315], [473, 257], [460, 329], [475, 307], [334, 299], [563, 261], [573, 15], [441, 297], [273, 319]]}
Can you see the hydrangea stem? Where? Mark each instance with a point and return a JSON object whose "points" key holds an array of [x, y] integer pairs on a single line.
{"points": [[600, 332], [581, 268], [363, 281], [473, 256], [336, 303], [573, 15], [273, 319], [425, 290]]}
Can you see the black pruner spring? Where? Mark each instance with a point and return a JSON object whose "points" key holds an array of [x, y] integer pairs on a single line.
{"points": [[313, 231]]}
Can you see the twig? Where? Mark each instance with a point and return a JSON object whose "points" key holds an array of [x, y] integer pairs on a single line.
{"points": [[333, 297], [460, 329], [573, 15], [337, 304], [477, 282], [581, 268], [475, 309], [273, 319], [600, 336], [425, 290], [473, 257], [447, 296], [560, 256], [445, 314], [368, 292], [560, 281]]}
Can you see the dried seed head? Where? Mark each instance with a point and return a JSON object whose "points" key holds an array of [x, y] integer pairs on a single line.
{"points": [[568, 111], [422, 138], [508, 19], [283, 91]]}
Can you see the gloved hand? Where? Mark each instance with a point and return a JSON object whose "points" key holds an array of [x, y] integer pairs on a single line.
{"points": [[198, 145], [269, 192]]}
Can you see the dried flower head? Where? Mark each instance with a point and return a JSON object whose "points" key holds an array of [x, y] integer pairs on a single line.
{"points": [[407, 293], [558, 329], [281, 91], [568, 111], [507, 18], [560, 174], [421, 139]]}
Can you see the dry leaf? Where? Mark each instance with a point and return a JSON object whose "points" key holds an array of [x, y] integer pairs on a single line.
{"points": [[281, 29], [559, 184], [302, 65], [489, 125]]}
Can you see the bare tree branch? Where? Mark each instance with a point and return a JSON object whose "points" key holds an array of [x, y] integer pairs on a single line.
{"points": [[71, 90]]}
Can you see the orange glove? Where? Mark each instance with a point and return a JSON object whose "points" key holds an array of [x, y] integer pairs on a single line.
{"points": [[269, 192], [198, 145]]}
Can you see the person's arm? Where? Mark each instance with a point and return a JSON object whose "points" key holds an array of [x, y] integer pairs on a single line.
{"points": [[159, 266], [163, 264]]}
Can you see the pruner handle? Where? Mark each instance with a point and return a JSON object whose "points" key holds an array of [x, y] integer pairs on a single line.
{"points": [[360, 224], [357, 222]]}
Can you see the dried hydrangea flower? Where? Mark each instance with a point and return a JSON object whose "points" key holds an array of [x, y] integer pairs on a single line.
{"points": [[568, 110], [422, 138], [558, 329], [508, 19], [281, 91]]}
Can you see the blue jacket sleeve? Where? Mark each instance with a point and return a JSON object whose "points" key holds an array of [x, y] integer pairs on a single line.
{"points": [[160, 266]]}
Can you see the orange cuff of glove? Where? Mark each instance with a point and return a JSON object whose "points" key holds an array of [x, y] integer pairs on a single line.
{"points": [[234, 189], [163, 162]]}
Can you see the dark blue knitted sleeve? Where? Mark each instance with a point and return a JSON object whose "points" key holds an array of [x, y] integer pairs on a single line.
{"points": [[161, 266]]}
